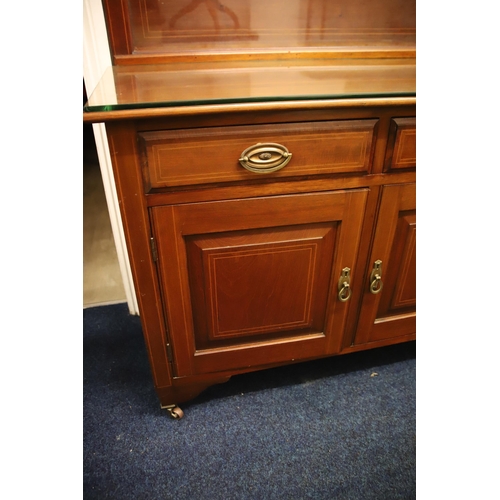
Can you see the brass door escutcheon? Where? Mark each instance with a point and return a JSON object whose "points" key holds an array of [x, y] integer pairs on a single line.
{"points": [[344, 285], [264, 158], [376, 278]]}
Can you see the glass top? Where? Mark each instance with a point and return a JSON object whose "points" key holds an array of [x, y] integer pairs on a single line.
{"points": [[182, 84]]}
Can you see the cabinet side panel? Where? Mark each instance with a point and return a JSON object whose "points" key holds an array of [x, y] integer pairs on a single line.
{"points": [[137, 234]]}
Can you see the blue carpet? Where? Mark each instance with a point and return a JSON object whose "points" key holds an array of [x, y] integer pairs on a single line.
{"points": [[328, 429]]}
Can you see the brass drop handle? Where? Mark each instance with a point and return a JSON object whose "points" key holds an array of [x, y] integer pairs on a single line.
{"points": [[376, 278], [344, 285], [264, 158]]}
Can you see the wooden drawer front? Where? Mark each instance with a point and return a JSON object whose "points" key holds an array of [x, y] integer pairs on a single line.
{"points": [[211, 155], [402, 145]]}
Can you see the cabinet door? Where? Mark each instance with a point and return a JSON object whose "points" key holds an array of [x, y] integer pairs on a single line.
{"points": [[253, 282], [388, 308]]}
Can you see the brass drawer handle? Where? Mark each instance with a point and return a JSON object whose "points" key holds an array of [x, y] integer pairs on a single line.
{"points": [[376, 278], [264, 158], [344, 285]]}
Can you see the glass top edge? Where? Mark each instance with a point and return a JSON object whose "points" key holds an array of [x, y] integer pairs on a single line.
{"points": [[185, 103], [178, 85]]}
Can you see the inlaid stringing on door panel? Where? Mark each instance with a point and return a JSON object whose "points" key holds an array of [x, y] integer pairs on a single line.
{"points": [[255, 284]]}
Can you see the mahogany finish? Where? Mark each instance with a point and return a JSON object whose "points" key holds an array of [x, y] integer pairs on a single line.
{"points": [[212, 153], [192, 30], [236, 270], [402, 150], [247, 270], [255, 279], [392, 311]]}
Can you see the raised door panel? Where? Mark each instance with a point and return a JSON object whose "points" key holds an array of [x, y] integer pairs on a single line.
{"points": [[242, 284], [254, 282], [388, 308]]}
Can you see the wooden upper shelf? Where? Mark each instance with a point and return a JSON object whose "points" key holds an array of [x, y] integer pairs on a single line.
{"points": [[171, 56], [154, 31]]}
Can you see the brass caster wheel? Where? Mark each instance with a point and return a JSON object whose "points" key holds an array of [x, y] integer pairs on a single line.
{"points": [[175, 412]]}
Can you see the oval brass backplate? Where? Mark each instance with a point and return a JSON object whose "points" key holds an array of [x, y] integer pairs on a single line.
{"points": [[264, 158]]}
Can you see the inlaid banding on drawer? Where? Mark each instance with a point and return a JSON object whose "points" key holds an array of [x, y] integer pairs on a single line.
{"points": [[211, 155], [402, 145]]}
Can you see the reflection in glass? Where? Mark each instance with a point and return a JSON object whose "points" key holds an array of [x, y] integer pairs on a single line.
{"points": [[215, 25], [214, 7]]}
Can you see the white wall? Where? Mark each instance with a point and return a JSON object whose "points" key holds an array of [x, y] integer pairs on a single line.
{"points": [[96, 58]]}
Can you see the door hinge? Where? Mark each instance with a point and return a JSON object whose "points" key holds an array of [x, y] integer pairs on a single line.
{"points": [[154, 251], [170, 356]]}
